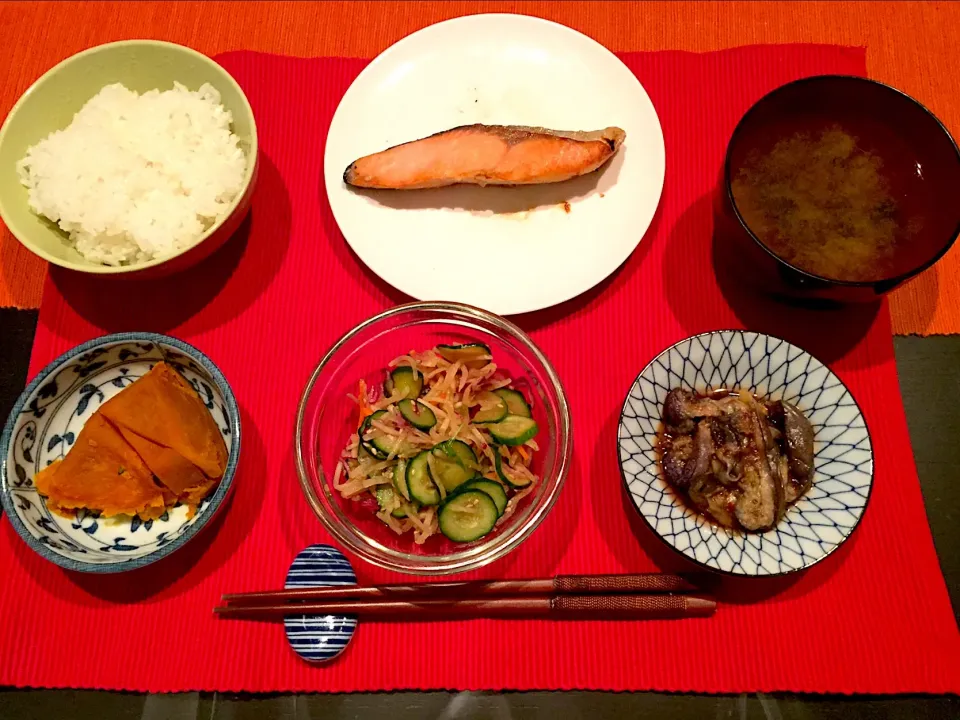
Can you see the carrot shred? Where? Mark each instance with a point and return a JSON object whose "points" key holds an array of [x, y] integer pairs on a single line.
{"points": [[365, 409]]}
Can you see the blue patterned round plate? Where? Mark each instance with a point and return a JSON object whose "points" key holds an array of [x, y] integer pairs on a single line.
{"points": [[817, 523], [46, 421], [319, 638]]}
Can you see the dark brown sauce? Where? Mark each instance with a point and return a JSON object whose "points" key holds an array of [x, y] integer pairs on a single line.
{"points": [[665, 438]]}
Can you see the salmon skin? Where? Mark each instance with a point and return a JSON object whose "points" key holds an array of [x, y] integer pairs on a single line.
{"points": [[486, 155]]}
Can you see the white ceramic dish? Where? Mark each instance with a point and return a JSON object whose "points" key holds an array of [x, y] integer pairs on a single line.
{"points": [[814, 526], [493, 247]]}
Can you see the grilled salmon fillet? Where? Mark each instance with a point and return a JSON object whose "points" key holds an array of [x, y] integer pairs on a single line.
{"points": [[486, 155]]}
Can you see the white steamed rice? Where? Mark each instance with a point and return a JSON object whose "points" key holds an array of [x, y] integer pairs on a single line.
{"points": [[137, 177]]}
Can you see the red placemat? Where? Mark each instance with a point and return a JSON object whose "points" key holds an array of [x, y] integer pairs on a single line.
{"points": [[873, 618]]}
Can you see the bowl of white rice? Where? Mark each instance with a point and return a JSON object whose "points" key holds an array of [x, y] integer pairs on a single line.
{"points": [[136, 158]]}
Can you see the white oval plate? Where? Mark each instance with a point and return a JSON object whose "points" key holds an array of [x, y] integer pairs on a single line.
{"points": [[508, 250]]}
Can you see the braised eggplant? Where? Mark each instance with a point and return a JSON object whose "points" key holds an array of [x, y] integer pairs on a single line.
{"points": [[738, 459]]}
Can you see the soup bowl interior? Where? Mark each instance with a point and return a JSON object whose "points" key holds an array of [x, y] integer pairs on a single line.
{"points": [[919, 160]]}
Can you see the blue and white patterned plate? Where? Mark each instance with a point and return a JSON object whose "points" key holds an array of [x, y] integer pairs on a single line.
{"points": [[48, 417], [815, 525], [319, 638]]}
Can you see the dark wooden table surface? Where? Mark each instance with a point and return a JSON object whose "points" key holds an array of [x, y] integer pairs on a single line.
{"points": [[930, 384]]}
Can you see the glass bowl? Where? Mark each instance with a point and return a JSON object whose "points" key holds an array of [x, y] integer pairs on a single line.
{"points": [[328, 416]]}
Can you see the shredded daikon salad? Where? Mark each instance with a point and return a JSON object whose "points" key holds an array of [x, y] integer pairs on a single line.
{"points": [[446, 424]]}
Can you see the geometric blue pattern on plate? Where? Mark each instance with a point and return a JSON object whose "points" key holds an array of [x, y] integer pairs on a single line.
{"points": [[843, 476], [319, 638], [45, 423]]}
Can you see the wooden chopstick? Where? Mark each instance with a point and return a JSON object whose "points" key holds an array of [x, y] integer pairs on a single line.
{"points": [[559, 607], [647, 583]]}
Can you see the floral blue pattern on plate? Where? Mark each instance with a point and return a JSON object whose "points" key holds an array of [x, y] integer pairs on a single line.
{"points": [[319, 638], [816, 524], [45, 423]]}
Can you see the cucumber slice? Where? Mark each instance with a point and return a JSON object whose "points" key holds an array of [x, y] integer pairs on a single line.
{"points": [[473, 355], [459, 452], [419, 483], [363, 453], [453, 463], [407, 509], [449, 473], [495, 411], [468, 516], [516, 403], [400, 479], [373, 451], [417, 414], [380, 445], [368, 444], [490, 487], [386, 445], [513, 430], [512, 482], [404, 380], [385, 497]]}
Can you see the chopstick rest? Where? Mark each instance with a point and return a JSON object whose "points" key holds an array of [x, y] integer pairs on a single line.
{"points": [[319, 638]]}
